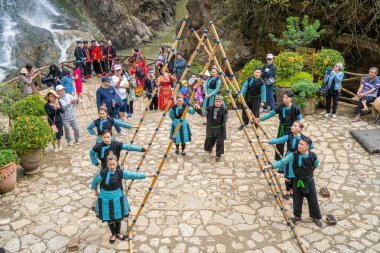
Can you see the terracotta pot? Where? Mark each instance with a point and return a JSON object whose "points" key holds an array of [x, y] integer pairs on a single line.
{"points": [[31, 162], [310, 106], [10, 173], [280, 91]]}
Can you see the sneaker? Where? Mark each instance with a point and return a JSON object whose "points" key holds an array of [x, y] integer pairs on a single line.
{"points": [[121, 134], [60, 148], [327, 114], [56, 150], [183, 154], [217, 159], [318, 222], [295, 219], [77, 142], [177, 152], [287, 196], [333, 115], [70, 143], [129, 115]]}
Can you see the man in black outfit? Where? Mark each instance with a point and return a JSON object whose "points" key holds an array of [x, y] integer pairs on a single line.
{"points": [[80, 56], [217, 115], [149, 84]]}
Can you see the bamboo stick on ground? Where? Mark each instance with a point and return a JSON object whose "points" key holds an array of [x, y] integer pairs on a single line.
{"points": [[163, 160], [184, 22], [196, 51]]}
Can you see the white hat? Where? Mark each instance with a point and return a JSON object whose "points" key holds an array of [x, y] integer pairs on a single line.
{"points": [[59, 87], [269, 56], [117, 67], [207, 73]]}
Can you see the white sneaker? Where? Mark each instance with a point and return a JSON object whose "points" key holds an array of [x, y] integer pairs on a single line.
{"points": [[327, 114], [60, 148], [333, 115], [121, 134], [56, 150], [261, 109], [70, 143]]}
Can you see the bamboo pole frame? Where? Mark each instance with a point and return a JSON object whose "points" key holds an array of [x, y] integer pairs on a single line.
{"points": [[267, 172], [163, 160], [196, 51], [155, 91]]}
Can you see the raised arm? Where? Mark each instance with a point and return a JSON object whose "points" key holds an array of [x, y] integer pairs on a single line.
{"points": [[284, 161], [133, 175], [268, 115], [121, 123], [133, 148], [280, 140]]}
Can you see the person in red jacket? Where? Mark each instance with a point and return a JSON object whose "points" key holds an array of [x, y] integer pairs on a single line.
{"points": [[87, 62], [142, 71], [96, 56], [102, 58]]}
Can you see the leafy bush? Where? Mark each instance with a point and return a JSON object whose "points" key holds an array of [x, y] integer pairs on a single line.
{"points": [[326, 58], [288, 64], [7, 156], [32, 105], [29, 133], [288, 82], [4, 139], [248, 70], [296, 36], [304, 89]]}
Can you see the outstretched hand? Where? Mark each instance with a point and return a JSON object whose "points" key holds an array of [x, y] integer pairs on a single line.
{"points": [[196, 106], [151, 175], [267, 167], [264, 141]]}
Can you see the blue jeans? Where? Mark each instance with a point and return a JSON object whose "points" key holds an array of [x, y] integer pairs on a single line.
{"points": [[270, 98]]}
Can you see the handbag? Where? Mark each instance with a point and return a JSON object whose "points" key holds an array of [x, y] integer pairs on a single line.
{"points": [[54, 127], [323, 91], [269, 81]]}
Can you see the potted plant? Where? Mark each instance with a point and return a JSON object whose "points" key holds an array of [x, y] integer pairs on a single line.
{"points": [[31, 105], [288, 65], [8, 170], [285, 84], [306, 95], [29, 136]]}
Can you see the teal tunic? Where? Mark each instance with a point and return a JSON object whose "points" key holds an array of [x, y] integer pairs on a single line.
{"points": [[184, 134], [213, 92]]}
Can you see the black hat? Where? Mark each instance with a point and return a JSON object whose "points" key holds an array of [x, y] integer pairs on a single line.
{"points": [[78, 42], [92, 41], [29, 66], [289, 93], [306, 139], [85, 41]]}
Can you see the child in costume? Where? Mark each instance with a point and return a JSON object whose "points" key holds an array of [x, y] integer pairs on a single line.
{"points": [[304, 162], [184, 91]]}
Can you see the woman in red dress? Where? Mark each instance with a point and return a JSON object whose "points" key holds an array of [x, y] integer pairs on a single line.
{"points": [[165, 92], [142, 67]]}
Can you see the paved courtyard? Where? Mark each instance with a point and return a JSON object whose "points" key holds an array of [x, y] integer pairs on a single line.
{"points": [[198, 205]]}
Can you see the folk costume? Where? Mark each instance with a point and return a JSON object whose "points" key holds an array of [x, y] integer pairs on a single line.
{"points": [[292, 145], [87, 62], [105, 124], [109, 53], [184, 134], [254, 92], [212, 87], [185, 94], [304, 186], [287, 116], [112, 204], [149, 85], [165, 93], [216, 128], [100, 151], [96, 55]]}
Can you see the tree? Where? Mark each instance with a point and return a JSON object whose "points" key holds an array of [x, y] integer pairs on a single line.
{"points": [[296, 36]]}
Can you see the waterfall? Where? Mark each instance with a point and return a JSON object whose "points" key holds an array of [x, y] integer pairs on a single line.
{"points": [[42, 14]]}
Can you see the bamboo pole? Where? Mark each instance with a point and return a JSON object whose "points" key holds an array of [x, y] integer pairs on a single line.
{"points": [[167, 109], [163, 160], [267, 172], [155, 90], [245, 107]]}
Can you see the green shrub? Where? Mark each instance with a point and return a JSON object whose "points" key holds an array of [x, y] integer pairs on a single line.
{"points": [[4, 139], [295, 36], [29, 133], [288, 64], [326, 58], [288, 82], [7, 156], [32, 105], [304, 89], [248, 70]]}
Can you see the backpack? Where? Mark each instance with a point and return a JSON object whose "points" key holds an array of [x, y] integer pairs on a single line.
{"points": [[140, 73], [323, 91]]}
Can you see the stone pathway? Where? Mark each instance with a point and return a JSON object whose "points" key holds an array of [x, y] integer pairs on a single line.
{"points": [[198, 205]]}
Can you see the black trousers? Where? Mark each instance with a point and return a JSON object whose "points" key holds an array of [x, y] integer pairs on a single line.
{"points": [[130, 107], [289, 184], [87, 69], [154, 104], [310, 193], [368, 99], [335, 98], [108, 65], [114, 227], [96, 66], [254, 105], [281, 147], [217, 137], [103, 66]]}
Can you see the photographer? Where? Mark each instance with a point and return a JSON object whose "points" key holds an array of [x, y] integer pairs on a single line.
{"points": [[56, 76]]}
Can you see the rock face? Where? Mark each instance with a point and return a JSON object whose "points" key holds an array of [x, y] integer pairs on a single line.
{"points": [[350, 26], [128, 23]]}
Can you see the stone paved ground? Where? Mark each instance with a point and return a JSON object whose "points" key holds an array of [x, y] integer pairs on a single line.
{"points": [[198, 205]]}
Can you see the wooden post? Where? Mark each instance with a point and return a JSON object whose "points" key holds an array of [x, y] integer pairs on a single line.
{"points": [[163, 160]]}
